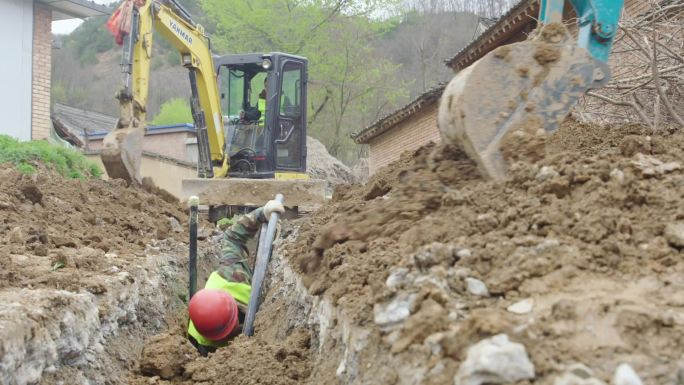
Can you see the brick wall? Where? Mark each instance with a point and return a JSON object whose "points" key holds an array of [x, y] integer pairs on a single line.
{"points": [[415, 131], [42, 58]]}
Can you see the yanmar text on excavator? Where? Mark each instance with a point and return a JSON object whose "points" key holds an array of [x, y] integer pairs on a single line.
{"points": [[249, 112]]}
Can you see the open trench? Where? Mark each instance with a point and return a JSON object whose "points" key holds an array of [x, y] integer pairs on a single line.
{"points": [[97, 336], [298, 338], [94, 272]]}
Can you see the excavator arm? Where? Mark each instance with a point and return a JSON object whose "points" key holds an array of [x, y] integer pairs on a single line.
{"points": [[123, 146], [501, 108], [597, 19]]}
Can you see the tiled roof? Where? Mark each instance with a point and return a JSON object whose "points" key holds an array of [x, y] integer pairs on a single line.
{"points": [[508, 25], [78, 126], [81, 123], [387, 122]]}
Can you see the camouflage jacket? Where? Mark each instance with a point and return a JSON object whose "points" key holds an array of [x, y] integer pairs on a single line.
{"points": [[234, 265]]}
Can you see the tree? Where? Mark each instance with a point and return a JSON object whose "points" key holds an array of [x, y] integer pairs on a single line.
{"points": [[484, 8], [173, 111], [647, 83], [350, 83], [422, 41]]}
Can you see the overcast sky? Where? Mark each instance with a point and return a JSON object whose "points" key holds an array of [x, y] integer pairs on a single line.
{"points": [[62, 27]]}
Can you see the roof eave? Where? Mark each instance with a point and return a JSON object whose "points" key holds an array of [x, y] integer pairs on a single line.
{"points": [[75, 9], [383, 124], [507, 25]]}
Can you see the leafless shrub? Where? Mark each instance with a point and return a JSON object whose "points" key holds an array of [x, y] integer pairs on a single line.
{"points": [[483, 8], [647, 83]]}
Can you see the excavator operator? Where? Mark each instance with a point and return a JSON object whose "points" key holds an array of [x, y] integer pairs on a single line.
{"points": [[261, 103], [217, 310], [256, 114]]}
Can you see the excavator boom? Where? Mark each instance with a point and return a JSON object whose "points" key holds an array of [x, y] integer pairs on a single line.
{"points": [[123, 146], [501, 108]]}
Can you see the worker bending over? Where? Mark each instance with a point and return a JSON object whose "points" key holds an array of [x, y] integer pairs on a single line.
{"points": [[217, 310]]}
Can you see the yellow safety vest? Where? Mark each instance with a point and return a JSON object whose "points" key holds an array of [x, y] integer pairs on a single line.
{"points": [[239, 291], [261, 105]]}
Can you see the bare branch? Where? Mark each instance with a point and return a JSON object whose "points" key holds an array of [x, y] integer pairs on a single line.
{"points": [[647, 63], [656, 80]]}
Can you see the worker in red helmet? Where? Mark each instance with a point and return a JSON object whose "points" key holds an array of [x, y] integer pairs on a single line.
{"points": [[217, 310]]}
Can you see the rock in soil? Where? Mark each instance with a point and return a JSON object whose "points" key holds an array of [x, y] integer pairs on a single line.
{"points": [[522, 307], [476, 287], [395, 311], [495, 360], [674, 233], [573, 379], [625, 375]]}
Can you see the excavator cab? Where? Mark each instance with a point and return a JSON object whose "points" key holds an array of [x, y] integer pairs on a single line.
{"points": [[263, 99]]}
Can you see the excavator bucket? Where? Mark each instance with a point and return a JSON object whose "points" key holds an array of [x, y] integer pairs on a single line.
{"points": [[501, 108], [122, 153]]}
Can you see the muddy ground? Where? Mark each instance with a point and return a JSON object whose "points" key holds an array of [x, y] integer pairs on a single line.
{"points": [[425, 274], [576, 259]]}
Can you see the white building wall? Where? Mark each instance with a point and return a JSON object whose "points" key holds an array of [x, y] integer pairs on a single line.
{"points": [[16, 19]]}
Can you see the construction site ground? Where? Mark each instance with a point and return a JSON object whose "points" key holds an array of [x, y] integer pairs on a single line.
{"points": [[427, 273]]}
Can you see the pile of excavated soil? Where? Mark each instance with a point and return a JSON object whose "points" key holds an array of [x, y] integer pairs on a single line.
{"points": [[90, 268], [68, 226], [576, 259], [321, 165], [361, 170], [592, 236], [170, 358]]}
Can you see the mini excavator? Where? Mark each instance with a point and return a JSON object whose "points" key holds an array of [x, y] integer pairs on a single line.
{"points": [[501, 108], [249, 112]]}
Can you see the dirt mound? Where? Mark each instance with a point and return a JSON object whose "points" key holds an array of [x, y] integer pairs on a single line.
{"points": [[244, 361], [165, 355], [321, 165], [576, 259], [90, 269], [588, 243], [71, 227]]}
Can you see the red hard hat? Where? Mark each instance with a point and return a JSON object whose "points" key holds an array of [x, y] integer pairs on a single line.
{"points": [[214, 313]]}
